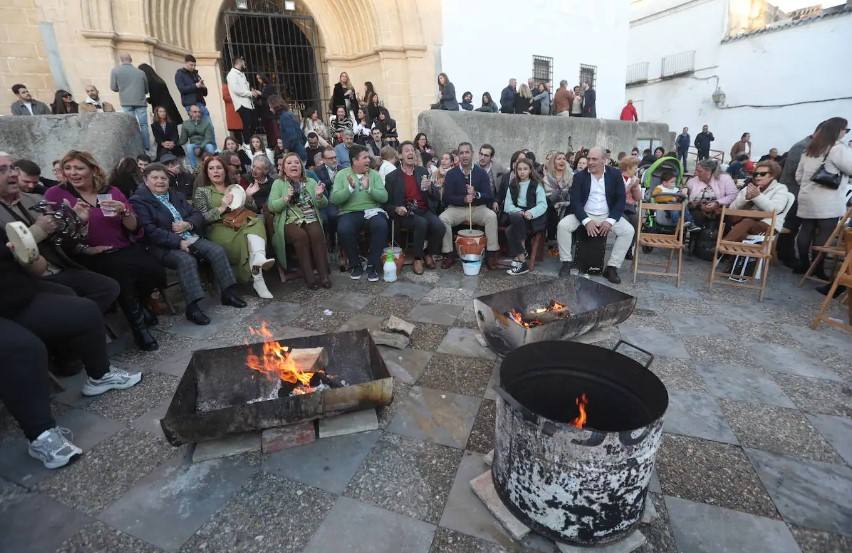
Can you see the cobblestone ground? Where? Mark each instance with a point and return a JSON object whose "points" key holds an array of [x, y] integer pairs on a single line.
{"points": [[756, 455]]}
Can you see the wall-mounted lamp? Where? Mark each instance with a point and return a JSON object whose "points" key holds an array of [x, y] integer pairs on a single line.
{"points": [[290, 5], [718, 97], [242, 4]]}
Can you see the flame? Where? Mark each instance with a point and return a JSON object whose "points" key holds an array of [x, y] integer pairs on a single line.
{"points": [[516, 316], [552, 307], [276, 362], [580, 421]]}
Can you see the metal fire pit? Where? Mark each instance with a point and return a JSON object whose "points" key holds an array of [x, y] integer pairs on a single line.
{"points": [[581, 486], [589, 304], [218, 395]]}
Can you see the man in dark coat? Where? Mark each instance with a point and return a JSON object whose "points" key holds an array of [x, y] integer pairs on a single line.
{"points": [[589, 101], [702, 143], [682, 144], [507, 97]]}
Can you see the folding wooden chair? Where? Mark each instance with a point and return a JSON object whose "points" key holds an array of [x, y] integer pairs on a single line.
{"points": [[761, 251], [842, 277], [833, 247], [671, 242]]}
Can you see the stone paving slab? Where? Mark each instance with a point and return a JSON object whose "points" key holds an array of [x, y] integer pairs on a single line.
{"points": [[463, 341], [406, 365], [793, 361], [226, 447], [328, 464], [658, 343], [356, 527], [441, 417], [697, 414], [701, 528], [35, 523], [838, 431], [170, 504], [807, 493], [436, 313], [730, 381], [353, 422]]}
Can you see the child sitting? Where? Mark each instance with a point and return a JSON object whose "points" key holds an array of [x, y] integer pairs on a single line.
{"points": [[668, 192]]}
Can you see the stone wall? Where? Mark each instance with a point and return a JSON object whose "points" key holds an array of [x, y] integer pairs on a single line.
{"points": [[541, 134], [44, 138]]}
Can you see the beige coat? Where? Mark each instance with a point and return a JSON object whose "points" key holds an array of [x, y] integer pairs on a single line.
{"points": [[815, 200], [775, 198]]}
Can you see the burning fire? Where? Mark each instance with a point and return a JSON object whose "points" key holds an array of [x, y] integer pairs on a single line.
{"points": [[580, 421], [553, 307], [276, 362]]}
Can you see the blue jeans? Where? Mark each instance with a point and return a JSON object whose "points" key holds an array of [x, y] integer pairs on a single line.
{"points": [[349, 226], [141, 114], [329, 215], [190, 152], [204, 115]]}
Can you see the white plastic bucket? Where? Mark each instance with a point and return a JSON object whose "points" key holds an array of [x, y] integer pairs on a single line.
{"points": [[471, 264]]}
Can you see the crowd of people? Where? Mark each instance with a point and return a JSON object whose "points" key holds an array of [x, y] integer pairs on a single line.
{"points": [[347, 186]]}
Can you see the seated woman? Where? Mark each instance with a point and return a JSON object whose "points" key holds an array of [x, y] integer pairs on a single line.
{"points": [[557, 182], [361, 129], [166, 134], [110, 247], [359, 194], [296, 202], [388, 127], [243, 237], [230, 146], [30, 320], [709, 190], [412, 202], [488, 105], [526, 207], [313, 123], [172, 228], [764, 193], [263, 175], [256, 147]]}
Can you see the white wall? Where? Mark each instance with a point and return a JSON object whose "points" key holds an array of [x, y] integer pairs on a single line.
{"points": [[784, 66], [486, 42]]}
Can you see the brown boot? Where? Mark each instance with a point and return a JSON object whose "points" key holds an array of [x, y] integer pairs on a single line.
{"points": [[417, 267], [491, 262], [430, 262], [448, 261]]}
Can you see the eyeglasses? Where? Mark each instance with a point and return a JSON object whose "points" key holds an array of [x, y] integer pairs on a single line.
{"points": [[762, 173]]}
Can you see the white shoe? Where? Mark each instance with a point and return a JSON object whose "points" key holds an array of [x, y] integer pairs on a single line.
{"points": [[114, 379], [257, 253], [260, 286], [53, 449]]}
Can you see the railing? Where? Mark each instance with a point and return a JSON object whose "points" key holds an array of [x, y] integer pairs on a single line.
{"points": [[637, 72], [678, 64]]}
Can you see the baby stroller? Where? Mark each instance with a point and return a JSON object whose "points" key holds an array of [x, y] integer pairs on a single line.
{"points": [[661, 222]]}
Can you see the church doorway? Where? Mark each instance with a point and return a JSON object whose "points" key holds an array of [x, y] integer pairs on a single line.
{"points": [[278, 44]]}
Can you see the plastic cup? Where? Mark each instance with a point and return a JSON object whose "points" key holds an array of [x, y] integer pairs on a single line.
{"points": [[108, 212]]}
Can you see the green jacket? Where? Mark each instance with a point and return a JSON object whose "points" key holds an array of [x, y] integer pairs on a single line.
{"points": [[375, 196], [197, 133], [286, 213]]}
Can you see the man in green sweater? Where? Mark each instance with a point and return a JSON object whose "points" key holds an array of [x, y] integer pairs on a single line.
{"points": [[197, 134], [359, 194]]}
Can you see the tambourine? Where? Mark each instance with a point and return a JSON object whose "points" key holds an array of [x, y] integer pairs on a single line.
{"points": [[238, 195], [23, 242]]}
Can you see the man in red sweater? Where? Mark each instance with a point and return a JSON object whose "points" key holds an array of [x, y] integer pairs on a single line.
{"points": [[628, 112]]}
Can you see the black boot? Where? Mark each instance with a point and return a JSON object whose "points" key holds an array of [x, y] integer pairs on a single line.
{"points": [[229, 297], [196, 315], [136, 317]]}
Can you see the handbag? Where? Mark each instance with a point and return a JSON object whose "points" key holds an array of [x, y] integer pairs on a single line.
{"points": [[237, 218], [826, 178]]}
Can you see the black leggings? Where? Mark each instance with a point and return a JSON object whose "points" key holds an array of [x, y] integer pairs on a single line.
{"points": [[72, 323], [137, 272], [813, 231], [249, 123]]}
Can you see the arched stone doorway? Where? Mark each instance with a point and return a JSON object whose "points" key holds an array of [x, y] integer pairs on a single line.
{"points": [[280, 44]]}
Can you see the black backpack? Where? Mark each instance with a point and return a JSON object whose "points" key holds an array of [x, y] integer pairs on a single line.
{"points": [[704, 245]]}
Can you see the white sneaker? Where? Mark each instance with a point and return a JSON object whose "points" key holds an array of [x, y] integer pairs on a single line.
{"points": [[53, 449], [114, 379]]}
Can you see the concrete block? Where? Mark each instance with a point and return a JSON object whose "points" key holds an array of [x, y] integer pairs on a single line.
{"points": [[397, 325], [226, 447], [349, 423], [483, 487], [390, 339], [282, 437], [649, 515], [630, 543], [488, 458]]}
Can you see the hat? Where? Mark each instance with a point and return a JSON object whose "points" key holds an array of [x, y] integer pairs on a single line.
{"points": [[168, 158]]}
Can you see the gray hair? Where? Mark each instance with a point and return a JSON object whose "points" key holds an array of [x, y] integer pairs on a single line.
{"points": [[349, 133], [563, 82], [711, 165], [263, 159]]}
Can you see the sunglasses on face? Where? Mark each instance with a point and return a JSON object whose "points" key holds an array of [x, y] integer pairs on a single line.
{"points": [[762, 173]]}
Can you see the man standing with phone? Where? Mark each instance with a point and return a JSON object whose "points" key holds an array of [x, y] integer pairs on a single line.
{"points": [[243, 96]]}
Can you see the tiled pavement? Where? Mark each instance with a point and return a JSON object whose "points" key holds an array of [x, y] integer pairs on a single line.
{"points": [[757, 455]]}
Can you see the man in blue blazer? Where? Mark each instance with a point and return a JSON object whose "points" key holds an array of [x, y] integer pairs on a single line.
{"points": [[597, 202]]}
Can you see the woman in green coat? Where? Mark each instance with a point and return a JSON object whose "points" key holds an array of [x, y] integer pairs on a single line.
{"points": [[245, 246], [296, 200]]}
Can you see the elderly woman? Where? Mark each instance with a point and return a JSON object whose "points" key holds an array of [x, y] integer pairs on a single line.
{"points": [[241, 232], [262, 174], [709, 190], [296, 201], [172, 230], [821, 205], [763, 194], [110, 249], [557, 181]]}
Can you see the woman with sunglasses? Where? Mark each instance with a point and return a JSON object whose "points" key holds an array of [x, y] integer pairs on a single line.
{"points": [[63, 102], [763, 193]]}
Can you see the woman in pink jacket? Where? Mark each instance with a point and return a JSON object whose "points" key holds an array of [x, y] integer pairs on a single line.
{"points": [[709, 191]]}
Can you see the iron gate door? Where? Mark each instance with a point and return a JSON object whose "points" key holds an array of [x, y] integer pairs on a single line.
{"points": [[279, 46]]}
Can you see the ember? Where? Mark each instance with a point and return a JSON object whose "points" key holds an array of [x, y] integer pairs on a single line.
{"points": [[278, 361], [553, 310], [580, 421]]}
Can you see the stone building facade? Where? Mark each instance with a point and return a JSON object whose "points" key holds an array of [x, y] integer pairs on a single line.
{"points": [[52, 44]]}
